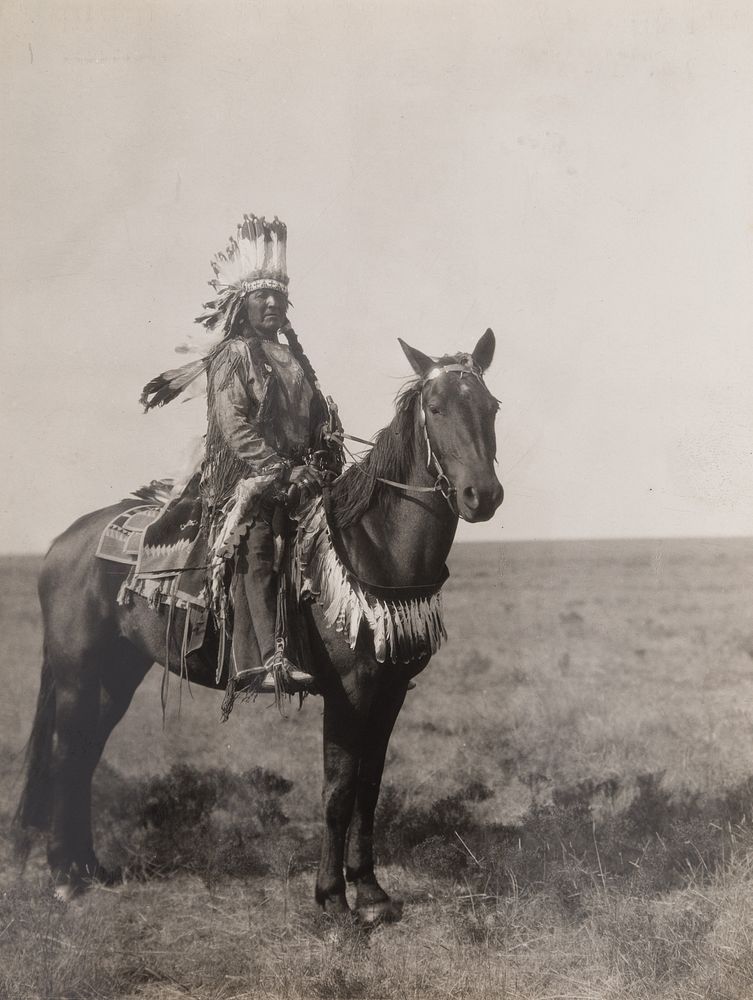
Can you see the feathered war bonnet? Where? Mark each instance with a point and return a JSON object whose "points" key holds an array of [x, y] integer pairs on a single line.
{"points": [[255, 258]]}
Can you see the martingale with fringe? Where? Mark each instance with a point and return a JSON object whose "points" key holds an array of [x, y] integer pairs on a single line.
{"points": [[403, 629]]}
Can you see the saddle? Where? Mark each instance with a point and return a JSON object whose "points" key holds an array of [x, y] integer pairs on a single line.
{"points": [[172, 541], [167, 547], [168, 553]]}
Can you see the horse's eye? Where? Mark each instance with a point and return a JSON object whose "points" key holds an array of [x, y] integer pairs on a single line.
{"points": [[435, 411]]}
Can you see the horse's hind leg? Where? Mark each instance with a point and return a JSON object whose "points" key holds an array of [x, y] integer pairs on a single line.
{"points": [[77, 692], [92, 695]]}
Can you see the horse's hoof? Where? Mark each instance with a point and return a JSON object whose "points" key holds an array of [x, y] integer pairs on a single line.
{"points": [[105, 876], [78, 879], [337, 911], [66, 892], [373, 914], [335, 907]]}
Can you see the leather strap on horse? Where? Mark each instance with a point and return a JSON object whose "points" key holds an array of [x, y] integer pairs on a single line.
{"points": [[442, 483]]}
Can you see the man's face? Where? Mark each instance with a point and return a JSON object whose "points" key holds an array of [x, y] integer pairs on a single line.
{"points": [[266, 310]]}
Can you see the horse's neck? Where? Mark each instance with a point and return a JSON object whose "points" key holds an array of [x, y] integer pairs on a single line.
{"points": [[406, 542]]}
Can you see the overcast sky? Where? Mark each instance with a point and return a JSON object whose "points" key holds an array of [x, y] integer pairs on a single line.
{"points": [[578, 176]]}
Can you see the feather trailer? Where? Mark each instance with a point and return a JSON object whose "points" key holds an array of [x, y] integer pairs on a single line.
{"points": [[238, 270], [169, 384], [158, 491]]}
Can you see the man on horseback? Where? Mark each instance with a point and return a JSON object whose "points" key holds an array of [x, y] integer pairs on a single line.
{"points": [[378, 618], [271, 439]]}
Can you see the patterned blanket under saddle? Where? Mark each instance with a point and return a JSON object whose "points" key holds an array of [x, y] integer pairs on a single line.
{"points": [[173, 542], [121, 540], [159, 572], [162, 540], [168, 555]]}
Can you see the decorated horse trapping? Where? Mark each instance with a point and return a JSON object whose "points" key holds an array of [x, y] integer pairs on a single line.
{"points": [[168, 568], [121, 540], [406, 624], [167, 564]]}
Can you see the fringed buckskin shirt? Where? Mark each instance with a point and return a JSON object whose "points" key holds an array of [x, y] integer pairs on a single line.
{"points": [[258, 422]]}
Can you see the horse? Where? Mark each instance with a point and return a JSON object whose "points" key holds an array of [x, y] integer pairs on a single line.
{"points": [[394, 516]]}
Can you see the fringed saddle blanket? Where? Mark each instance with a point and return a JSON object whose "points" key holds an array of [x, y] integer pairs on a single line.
{"points": [[164, 574], [170, 542]]}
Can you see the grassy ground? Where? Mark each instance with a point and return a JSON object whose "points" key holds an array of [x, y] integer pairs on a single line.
{"points": [[566, 810]]}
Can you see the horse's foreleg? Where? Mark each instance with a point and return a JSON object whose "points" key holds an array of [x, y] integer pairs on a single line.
{"points": [[372, 902], [343, 727]]}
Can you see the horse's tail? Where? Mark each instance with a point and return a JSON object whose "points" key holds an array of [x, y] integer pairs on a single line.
{"points": [[34, 807]]}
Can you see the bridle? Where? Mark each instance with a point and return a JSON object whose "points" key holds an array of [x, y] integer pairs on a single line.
{"points": [[464, 366]]}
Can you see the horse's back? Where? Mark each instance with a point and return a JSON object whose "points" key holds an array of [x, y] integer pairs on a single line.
{"points": [[78, 591]]}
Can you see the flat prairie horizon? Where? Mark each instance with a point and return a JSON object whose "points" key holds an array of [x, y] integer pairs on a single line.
{"points": [[470, 543]]}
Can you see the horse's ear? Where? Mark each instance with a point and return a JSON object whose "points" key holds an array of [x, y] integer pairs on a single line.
{"points": [[483, 352], [420, 363]]}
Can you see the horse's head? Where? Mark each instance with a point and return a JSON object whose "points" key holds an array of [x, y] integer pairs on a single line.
{"points": [[457, 412]]}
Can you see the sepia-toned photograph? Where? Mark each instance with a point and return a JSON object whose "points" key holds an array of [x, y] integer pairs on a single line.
{"points": [[376, 518]]}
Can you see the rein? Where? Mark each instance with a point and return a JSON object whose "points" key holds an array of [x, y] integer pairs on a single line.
{"points": [[442, 483]]}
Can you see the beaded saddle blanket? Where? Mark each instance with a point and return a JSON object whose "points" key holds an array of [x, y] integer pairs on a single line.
{"points": [[121, 539], [168, 556]]}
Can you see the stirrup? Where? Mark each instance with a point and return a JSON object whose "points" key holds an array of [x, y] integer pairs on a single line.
{"points": [[295, 682], [249, 679], [290, 678]]}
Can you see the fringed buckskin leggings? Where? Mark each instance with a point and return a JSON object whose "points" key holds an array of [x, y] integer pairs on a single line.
{"points": [[254, 598]]}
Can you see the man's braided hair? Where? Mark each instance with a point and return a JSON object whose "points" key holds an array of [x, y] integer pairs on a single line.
{"points": [[299, 354], [241, 329]]}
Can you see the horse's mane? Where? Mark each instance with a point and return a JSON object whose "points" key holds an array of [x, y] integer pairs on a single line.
{"points": [[391, 457]]}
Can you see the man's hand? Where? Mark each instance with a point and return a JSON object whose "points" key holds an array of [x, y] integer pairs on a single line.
{"points": [[304, 483], [333, 437], [307, 478]]}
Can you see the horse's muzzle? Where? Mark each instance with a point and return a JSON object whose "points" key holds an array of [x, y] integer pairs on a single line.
{"points": [[479, 504]]}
